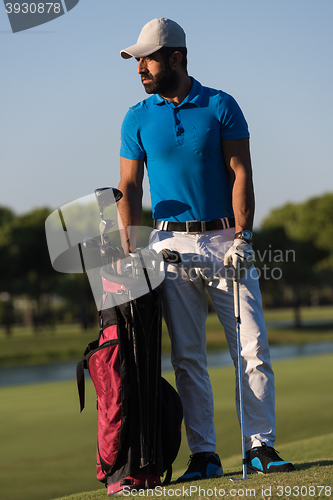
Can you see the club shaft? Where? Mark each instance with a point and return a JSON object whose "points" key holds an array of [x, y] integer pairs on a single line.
{"points": [[239, 370]]}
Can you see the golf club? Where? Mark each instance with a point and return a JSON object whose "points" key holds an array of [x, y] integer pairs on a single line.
{"points": [[239, 369], [106, 225], [107, 252], [121, 252], [140, 256], [106, 197], [171, 256], [90, 243], [150, 255]]}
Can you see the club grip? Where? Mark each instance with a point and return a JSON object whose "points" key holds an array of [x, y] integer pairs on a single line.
{"points": [[171, 256]]}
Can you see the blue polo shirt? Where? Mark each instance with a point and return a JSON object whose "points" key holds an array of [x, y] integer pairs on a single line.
{"points": [[182, 148]]}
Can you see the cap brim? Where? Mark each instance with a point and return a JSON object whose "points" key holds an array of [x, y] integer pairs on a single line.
{"points": [[139, 50]]}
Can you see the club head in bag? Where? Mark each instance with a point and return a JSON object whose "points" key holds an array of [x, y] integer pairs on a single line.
{"points": [[90, 243], [120, 252], [108, 253], [171, 256], [106, 197], [106, 225], [144, 252]]}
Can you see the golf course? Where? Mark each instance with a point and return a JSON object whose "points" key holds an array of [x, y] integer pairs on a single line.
{"points": [[48, 447]]}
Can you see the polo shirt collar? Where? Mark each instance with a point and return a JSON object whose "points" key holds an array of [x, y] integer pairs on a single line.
{"points": [[194, 96]]}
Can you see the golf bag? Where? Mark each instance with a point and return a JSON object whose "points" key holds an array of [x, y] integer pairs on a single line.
{"points": [[139, 412]]}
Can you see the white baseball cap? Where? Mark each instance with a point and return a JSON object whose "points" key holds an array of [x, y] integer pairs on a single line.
{"points": [[154, 35]]}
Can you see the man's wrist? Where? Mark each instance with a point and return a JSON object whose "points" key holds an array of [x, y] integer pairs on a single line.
{"points": [[245, 235]]}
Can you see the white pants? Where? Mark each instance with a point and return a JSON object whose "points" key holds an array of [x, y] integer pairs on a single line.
{"points": [[185, 313]]}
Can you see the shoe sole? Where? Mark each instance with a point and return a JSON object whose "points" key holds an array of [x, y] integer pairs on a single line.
{"points": [[252, 470], [218, 473]]}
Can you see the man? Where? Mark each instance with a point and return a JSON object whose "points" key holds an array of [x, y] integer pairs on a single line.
{"points": [[194, 142]]}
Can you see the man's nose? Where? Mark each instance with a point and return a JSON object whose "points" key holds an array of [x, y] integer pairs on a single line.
{"points": [[142, 68]]}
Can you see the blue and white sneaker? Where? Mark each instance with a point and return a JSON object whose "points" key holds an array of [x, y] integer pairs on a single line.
{"points": [[202, 466], [264, 459]]}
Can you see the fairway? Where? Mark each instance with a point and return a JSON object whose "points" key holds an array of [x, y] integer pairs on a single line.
{"points": [[48, 447]]}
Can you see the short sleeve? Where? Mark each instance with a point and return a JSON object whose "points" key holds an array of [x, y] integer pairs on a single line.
{"points": [[131, 146], [233, 123]]}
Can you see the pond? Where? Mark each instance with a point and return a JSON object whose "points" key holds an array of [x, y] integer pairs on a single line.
{"points": [[18, 375]]}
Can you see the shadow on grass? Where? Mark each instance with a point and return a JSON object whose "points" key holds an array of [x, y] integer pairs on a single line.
{"points": [[316, 463], [318, 326], [305, 326]]}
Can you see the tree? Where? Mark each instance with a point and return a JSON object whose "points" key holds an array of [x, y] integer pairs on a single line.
{"points": [[286, 263], [147, 218], [309, 221], [29, 270], [307, 231], [6, 269]]}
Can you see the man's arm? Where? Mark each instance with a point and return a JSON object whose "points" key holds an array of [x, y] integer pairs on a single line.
{"points": [[130, 206], [238, 162]]}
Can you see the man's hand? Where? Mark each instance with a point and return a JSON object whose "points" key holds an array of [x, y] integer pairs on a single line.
{"points": [[239, 256]]}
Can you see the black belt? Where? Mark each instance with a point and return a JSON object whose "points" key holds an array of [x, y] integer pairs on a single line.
{"points": [[195, 226]]}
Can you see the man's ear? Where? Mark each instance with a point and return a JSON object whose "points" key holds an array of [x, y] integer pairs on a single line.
{"points": [[175, 60]]}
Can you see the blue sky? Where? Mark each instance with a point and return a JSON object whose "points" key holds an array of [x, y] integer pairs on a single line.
{"points": [[65, 90]]}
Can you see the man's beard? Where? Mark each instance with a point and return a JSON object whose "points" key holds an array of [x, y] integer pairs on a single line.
{"points": [[165, 81]]}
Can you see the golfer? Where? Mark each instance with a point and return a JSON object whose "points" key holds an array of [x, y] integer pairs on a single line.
{"points": [[194, 142]]}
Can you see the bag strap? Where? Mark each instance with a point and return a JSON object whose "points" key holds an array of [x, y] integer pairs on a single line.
{"points": [[80, 381], [168, 476], [80, 367]]}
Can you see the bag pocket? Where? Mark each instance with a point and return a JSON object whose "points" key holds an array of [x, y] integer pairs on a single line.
{"points": [[104, 369]]}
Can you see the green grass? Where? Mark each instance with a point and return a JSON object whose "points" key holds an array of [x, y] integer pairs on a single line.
{"points": [[48, 447], [312, 479], [67, 342], [307, 313]]}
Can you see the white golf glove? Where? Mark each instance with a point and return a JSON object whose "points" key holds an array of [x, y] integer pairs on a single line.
{"points": [[239, 257]]}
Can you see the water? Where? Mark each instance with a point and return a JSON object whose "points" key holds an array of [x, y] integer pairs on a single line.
{"points": [[18, 375], [222, 358]]}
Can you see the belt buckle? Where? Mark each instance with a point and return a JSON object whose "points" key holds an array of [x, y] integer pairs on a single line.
{"points": [[201, 226]]}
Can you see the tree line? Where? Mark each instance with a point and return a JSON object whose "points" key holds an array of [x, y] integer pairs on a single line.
{"points": [[301, 234], [293, 252]]}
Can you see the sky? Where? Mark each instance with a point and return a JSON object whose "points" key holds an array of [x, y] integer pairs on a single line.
{"points": [[65, 90]]}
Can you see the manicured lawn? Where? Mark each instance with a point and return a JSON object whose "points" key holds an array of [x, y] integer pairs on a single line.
{"points": [[312, 479], [48, 447]]}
